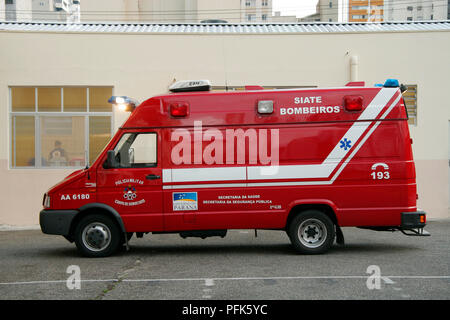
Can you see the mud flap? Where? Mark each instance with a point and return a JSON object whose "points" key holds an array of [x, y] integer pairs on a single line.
{"points": [[339, 236]]}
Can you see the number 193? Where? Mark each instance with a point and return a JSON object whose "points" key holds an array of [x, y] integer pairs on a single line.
{"points": [[380, 175]]}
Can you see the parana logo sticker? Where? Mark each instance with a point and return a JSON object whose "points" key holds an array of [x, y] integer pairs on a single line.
{"points": [[183, 201]]}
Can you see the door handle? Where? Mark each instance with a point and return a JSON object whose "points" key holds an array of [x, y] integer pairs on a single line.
{"points": [[152, 177]]}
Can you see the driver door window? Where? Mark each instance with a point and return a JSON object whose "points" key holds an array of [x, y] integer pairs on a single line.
{"points": [[136, 150]]}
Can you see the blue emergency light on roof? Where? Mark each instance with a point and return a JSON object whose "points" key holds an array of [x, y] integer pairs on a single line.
{"points": [[391, 83], [124, 103], [117, 99]]}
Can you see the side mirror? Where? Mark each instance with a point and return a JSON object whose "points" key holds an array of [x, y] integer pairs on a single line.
{"points": [[110, 159], [403, 88]]}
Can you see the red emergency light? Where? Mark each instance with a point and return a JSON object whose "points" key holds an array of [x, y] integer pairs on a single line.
{"points": [[353, 103], [179, 109]]}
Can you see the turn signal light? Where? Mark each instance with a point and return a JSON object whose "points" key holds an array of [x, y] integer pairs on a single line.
{"points": [[179, 109], [353, 103], [46, 202]]}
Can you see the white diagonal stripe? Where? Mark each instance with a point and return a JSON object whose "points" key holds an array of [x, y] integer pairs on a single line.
{"points": [[365, 139], [324, 169]]}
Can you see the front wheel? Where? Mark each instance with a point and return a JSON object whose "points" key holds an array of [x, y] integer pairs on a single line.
{"points": [[97, 236], [311, 232]]}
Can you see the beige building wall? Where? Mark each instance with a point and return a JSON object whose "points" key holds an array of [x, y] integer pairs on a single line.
{"points": [[163, 11], [234, 59], [415, 10], [329, 10], [109, 10], [278, 18], [2, 10], [256, 11], [228, 10], [166, 10]]}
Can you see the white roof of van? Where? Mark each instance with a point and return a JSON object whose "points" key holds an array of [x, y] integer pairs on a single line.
{"points": [[226, 28]]}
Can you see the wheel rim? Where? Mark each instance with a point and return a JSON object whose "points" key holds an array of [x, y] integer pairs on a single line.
{"points": [[312, 233], [96, 236]]}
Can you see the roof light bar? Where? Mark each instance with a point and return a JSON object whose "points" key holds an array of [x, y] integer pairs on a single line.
{"points": [[190, 85]]}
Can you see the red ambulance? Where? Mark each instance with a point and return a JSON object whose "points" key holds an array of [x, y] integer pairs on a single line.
{"points": [[198, 163]]}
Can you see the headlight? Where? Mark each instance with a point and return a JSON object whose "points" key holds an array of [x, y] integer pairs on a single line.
{"points": [[46, 201]]}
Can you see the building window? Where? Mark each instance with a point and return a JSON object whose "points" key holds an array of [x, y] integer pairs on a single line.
{"points": [[250, 3], [264, 17], [9, 1], [265, 3], [251, 17], [419, 8], [330, 4], [410, 97], [376, 17], [58, 126], [409, 8], [359, 7], [361, 16], [409, 19], [431, 18]]}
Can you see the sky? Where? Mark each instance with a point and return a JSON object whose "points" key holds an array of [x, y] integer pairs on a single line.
{"points": [[300, 8]]}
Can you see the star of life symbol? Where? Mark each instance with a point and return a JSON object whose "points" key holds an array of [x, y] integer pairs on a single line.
{"points": [[345, 144], [129, 193]]}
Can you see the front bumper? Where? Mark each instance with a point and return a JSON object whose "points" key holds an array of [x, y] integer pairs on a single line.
{"points": [[56, 221]]}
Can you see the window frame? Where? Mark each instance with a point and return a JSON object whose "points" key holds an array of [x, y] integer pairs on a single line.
{"points": [[144, 165], [37, 125], [251, 17], [411, 109]]}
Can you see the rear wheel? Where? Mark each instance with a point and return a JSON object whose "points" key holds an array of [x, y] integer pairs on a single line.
{"points": [[311, 232], [97, 236]]}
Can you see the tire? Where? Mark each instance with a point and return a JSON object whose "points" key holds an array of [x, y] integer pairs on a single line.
{"points": [[311, 232], [97, 236]]}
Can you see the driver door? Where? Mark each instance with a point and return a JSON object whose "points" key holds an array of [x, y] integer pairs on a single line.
{"points": [[132, 186]]}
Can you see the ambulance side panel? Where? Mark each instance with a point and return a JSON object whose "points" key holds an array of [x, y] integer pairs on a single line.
{"points": [[368, 185]]}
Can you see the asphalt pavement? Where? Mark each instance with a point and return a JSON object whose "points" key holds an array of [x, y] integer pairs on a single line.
{"points": [[371, 265]]}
